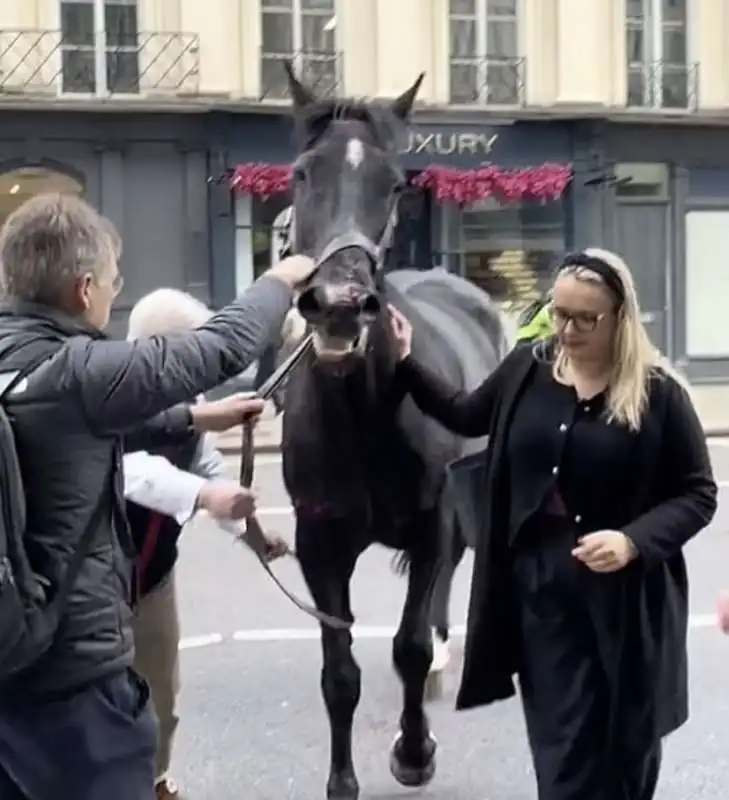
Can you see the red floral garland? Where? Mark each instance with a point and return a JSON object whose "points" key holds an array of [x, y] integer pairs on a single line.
{"points": [[463, 187]]}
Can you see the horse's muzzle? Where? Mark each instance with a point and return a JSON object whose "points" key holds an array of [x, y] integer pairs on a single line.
{"points": [[331, 302]]}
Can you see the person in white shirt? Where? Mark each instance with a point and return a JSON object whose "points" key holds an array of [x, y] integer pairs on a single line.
{"points": [[174, 483]]}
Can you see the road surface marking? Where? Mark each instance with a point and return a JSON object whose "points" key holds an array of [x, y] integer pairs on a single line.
{"points": [[362, 632]]}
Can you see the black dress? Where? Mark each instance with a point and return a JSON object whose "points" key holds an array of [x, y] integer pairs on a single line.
{"points": [[601, 658]]}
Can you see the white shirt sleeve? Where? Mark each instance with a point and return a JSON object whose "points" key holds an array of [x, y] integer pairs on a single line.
{"points": [[155, 483]]}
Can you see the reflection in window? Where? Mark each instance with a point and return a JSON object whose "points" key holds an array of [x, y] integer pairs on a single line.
{"points": [[510, 250], [264, 213]]}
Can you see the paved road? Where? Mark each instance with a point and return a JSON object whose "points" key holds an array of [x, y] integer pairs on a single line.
{"points": [[253, 725]]}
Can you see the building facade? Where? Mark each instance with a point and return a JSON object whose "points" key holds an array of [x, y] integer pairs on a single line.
{"points": [[147, 106]]}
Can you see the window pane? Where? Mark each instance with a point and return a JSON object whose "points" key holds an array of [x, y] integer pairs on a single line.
{"points": [[674, 87], [674, 11], [674, 46], [634, 9], [77, 23], [277, 4], [79, 71], [277, 35], [503, 84], [707, 283], [273, 78], [510, 250], [121, 25], [314, 39], [122, 72], [463, 39], [465, 83], [502, 8], [637, 87], [465, 7], [501, 39], [635, 45], [313, 5], [320, 74]]}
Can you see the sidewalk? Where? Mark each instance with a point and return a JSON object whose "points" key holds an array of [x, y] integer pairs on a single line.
{"points": [[712, 403]]}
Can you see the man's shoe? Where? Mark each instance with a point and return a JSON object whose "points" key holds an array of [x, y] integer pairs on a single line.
{"points": [[167, 790]]}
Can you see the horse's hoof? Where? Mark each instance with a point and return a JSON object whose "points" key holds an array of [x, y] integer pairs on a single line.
{"points": [[416, 773], [433, 689], [342, 786]]}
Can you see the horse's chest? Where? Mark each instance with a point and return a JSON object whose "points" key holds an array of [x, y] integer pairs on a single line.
{"points": [[350, 455]]}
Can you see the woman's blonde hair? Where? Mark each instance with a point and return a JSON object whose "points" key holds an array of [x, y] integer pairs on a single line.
{"points": [[635, 358]]}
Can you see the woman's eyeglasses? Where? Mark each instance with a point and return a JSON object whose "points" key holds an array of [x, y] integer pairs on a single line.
{"points": [[582, 321]]}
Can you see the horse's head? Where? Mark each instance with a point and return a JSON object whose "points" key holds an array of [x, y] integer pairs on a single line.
{"points": [[347, 181]]}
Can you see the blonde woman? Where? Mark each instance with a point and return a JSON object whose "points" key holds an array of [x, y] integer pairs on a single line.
{"points": [[597, 474]]}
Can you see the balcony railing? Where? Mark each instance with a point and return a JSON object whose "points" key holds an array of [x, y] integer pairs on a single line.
{"points": [[320, 70], [660, 85], [43, 61], [488, 81]]}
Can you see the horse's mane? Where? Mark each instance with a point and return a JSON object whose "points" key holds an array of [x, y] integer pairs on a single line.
{"points": [[313, 119]]}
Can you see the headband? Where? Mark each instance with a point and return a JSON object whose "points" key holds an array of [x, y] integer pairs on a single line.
{"points": [[608, 274]]}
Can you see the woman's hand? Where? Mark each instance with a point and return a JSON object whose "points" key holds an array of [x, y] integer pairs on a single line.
{"points": [[402, 333], [605, 551]]}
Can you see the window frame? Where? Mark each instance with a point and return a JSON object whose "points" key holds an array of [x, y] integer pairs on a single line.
{"points": [[653, 25], [482, 59], [101, 49], [301, 57]]}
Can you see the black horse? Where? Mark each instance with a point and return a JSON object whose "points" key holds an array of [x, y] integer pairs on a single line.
{"points": [[361, 464]]}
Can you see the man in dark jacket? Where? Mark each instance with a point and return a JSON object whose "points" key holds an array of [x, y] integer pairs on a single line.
{"points": [[77, 725]]}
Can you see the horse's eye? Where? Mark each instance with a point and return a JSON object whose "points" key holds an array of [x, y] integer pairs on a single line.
{"points": [[399, 187], [299, 175]]}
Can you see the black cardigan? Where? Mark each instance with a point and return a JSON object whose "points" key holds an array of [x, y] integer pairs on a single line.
{"points": [[675, 497]]}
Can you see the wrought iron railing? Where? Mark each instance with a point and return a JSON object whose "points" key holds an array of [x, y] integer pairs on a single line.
{"points": [[493, 81], [45, 61], [320, 70], [660, 85]]}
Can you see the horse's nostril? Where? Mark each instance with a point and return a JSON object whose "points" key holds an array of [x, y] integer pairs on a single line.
{"points": [[371, 305], [311, 302]]}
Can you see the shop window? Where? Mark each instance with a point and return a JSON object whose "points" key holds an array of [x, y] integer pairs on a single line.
{"points": [[642, 183], [255, 236], [99, 46], [485, 67], [707, 284], [303, 31], [509, 250], [19, 185]]}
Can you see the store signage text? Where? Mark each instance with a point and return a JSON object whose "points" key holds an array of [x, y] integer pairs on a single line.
{"points": [[450, 144]]}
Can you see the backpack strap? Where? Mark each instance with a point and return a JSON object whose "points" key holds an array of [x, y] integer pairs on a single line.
{"points": [[8, 382]]}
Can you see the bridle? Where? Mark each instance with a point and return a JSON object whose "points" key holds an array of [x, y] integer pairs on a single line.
{"points": [[253, 536]]}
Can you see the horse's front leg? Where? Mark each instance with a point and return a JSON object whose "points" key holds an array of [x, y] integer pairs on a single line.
{"points": [[412, 756], [328, 582]]}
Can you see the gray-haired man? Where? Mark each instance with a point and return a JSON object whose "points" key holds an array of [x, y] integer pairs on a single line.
{"points": [[77, 724]]}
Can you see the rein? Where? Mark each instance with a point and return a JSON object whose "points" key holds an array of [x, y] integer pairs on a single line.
{"points": [[253, 536]]}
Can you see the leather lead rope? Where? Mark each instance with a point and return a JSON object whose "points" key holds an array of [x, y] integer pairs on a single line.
{"points": [[253, 536]]}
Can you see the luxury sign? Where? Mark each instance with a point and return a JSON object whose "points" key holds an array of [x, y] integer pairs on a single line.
{"points": [[450, 144]]}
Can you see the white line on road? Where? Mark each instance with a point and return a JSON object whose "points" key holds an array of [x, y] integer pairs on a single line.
{"points": [[362, 632]]}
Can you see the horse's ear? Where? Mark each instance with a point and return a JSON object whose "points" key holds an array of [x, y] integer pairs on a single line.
{"points": [[300, 95], [402, 106]]}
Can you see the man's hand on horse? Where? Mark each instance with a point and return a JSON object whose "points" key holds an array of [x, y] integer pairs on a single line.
{"points": [[293, 270], [402, 332], [223, 414], [226, 500]]}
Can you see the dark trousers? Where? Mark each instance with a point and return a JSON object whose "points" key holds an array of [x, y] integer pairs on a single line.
{"points": [[566, 616], [97, 744]]}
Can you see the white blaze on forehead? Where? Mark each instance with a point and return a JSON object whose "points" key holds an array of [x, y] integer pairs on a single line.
{"points": [[355, 153]]}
